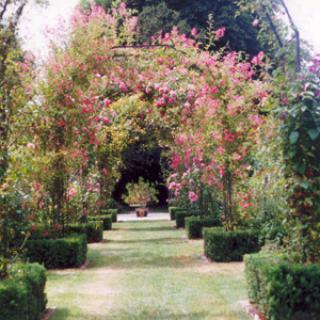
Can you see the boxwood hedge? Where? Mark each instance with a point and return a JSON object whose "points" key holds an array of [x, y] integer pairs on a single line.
{"points": [[67, 252], [180, 216], [195, 224], [112, 212], [105, 218], [174, 210], [282, 290], [225, 246], [22, 294], [92, 229]]}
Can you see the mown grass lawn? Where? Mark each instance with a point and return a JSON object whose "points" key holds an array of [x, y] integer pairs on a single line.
{"points": [[148, 270]]}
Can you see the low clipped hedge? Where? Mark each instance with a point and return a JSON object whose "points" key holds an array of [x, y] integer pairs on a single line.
{"points": [[22, 294], [67, 252], [226, 246], [180, 216], [112, 212], [195, 224], [105, 218], [283, 291], [92, 229], [173, 211]]}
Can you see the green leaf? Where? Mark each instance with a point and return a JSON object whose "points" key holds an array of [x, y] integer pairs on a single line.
{"points": [[294, 136], [313, 133]]}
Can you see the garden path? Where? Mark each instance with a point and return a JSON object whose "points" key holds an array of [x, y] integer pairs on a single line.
{"points": [[148, 270]]}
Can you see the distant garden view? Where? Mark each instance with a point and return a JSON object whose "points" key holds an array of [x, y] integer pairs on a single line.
{"points": [[163, 163]]}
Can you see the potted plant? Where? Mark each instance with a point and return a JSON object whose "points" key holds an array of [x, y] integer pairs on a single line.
{"points": [[139, 195]]}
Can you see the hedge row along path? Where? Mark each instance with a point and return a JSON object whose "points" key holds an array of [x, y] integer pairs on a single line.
{"points": [[148, 270]]}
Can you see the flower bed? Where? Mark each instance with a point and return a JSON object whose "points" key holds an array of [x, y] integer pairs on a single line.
{"points": [[225, 246], [283, 291], [67, 252], [22, 294]]}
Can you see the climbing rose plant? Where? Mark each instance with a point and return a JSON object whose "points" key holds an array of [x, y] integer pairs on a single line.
{"points": [[203, 108], [218, 138]]}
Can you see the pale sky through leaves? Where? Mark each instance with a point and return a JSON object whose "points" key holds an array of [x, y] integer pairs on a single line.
{"points": [[306, 14]]}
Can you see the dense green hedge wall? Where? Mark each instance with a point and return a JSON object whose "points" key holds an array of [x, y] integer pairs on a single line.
{"points": [[281, 290], [113, 212], [195, 224], [225, 246], [93, 230], [67, 252], [105, 218], [22, 294], [180, 216]]}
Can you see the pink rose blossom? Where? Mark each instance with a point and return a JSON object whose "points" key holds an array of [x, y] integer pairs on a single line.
{"points": [[193, 197], [220, 33]]}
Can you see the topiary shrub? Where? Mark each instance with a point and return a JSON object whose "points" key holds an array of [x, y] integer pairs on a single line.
{"points": [[225, 246], [113, 212], [283, 291], [22, 294], [106, 220], [180, 216], [66, 252], [92, 229], [195, 224]]}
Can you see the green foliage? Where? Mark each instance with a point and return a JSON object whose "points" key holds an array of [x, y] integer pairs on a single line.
{"points": [[301, 146], [142, 192], [22, 293], [225, 246], [113, 212], [111, 204], [106, 220], [174, 210], [268, 185], [194, 225], [180, 216], [157, 15], [282, 290], [67, 252], [93, 230]]}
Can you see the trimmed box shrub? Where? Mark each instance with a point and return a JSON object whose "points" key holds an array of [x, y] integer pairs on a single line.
{"points": [[173, 210], [22, 294], [226, 246], [180, 216], [105, 218], [92, 229], [112, 212], [195, 224], [283, 291], [67, 252]]}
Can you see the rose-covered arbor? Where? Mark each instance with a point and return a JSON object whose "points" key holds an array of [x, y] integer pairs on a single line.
{"points": [[101, 91]]}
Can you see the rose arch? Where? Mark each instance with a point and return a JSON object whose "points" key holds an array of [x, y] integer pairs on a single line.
{"points": [[102, 92]]}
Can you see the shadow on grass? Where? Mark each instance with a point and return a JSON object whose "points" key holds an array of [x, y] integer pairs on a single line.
{"points": [[152, 241], [131, 260], [149, 313], [147, 228]]}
